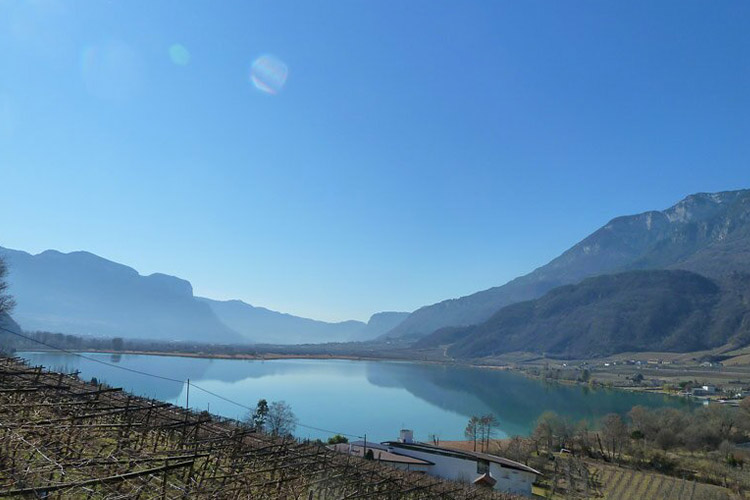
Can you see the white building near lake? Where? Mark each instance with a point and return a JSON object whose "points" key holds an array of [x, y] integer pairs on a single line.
{"points": [[481, 469]]}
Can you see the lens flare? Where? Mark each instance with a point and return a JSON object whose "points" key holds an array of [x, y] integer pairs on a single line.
{"points": [[179, 54], [269, 74]]}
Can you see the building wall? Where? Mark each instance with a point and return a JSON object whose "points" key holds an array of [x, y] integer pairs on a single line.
{"points": [[512, 480]]}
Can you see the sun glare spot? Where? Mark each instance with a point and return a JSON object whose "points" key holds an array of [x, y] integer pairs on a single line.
{"points": [[179, 54], [269, 74]]}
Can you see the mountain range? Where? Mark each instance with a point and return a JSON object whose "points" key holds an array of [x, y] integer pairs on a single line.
{"points": [[82, 293], [8, 323], [704, 233], [675, 279], [268, 327], [654, 310]]}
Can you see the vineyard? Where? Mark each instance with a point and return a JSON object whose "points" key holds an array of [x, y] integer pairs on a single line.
{"points": [[63, 438], [570, 477], [621, 484]]}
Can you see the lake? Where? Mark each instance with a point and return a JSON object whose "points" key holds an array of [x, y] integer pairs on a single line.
{"points": [[357, 397]]}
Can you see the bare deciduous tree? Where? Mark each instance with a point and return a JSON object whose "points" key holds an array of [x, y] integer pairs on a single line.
{"points": [[615, 434], [644, 423], [516, 448], [6, 301], [552, 431], [280, 420]]}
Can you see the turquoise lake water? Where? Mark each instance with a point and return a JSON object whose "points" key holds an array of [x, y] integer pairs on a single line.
{"points": [[357, 397]]}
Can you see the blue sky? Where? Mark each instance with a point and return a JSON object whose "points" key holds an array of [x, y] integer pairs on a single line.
{"points": [[418, 150]]}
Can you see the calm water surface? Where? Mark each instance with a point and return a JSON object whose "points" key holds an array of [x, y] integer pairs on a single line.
{"points": [[357, 397]]}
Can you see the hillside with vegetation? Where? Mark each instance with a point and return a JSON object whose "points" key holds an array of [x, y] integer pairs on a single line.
{"points": [[677, 311], [663, 453], [705, 233]]}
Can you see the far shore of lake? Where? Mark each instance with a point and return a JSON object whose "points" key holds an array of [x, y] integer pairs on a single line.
{"points": [[519, 367]]}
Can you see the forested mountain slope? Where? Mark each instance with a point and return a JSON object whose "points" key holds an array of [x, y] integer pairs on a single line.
{"points": [[705, 233], [634, 311]]}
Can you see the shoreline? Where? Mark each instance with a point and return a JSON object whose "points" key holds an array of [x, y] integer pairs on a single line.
{"points": [[247, 357], [521, 369], [530, 367]]}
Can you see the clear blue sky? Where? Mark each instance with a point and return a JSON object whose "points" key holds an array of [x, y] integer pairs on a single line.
{"points": [[419, 150]]}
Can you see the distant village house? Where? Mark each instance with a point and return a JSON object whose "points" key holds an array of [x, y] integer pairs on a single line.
{"points": [[705, 390]]}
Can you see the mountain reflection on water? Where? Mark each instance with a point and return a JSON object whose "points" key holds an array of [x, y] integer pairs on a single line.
{"points": [[356, 397]]}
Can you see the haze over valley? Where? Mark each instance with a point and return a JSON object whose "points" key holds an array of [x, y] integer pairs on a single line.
{"points": [[672, 280], [81, 293]]}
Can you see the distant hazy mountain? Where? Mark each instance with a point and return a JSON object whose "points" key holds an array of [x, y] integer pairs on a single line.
{"points": [[675, 311], [383, 322], [705, 233], [261, 325], [8, 340], [7, 322], [81, 293]]}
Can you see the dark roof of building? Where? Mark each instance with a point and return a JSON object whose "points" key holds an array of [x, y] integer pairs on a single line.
{"points": [[466, 455], [370, 444], [380, 453]]}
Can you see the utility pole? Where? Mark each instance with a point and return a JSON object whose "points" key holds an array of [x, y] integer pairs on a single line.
{"points": [[187, 398]]}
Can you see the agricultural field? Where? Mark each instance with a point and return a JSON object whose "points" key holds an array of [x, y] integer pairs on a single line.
{"points": [[624, 484], [587, 479]]}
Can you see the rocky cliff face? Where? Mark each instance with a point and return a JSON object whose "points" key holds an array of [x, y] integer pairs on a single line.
{"points": [[81, 293]]}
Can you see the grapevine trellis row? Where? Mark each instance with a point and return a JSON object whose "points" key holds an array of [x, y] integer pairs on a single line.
{"points": [[63, 438]]}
